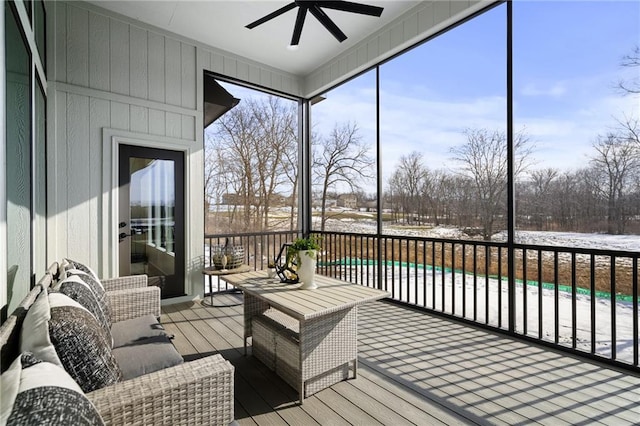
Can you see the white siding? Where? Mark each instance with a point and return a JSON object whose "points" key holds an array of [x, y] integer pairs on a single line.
{"points": [[138, 69], [111, 76]]}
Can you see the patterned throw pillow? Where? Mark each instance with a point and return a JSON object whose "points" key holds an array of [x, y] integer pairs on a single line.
{"points": [[35, 392], [96, 287], [80, 266], [77, 289], [81, 344]]}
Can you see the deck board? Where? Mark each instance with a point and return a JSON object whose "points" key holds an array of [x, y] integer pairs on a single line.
{"points": [[415, 368]]}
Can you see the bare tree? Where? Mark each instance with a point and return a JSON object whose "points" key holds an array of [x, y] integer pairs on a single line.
{"points": [[410, 178], [631, 60], [615, 169], [276, 150], [484, 159], [436, 191], [541, 181], [394, 194], [252, 155], [340, 159]]}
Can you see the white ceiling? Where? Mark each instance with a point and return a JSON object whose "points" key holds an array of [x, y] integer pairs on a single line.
{"points": [[221, 24]]}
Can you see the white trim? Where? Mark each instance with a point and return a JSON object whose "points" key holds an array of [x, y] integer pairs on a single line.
{"points": [[111, 141], [124, 99]]}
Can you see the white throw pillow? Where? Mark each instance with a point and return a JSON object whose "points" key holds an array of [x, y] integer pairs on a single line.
{"points": [[34, 334]]}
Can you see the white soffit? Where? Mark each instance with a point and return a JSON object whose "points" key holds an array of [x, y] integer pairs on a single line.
{"points": [[221, 24]]}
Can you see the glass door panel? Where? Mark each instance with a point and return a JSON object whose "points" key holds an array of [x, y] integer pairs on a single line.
{"points": [[151, 217]]}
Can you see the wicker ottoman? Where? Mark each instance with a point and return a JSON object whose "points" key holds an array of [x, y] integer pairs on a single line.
{"points": [[326, 355]]}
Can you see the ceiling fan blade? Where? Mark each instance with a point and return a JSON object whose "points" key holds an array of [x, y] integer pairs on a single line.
{"points": [[328, 23], [347, 6], [271, 15], [297, 29]]}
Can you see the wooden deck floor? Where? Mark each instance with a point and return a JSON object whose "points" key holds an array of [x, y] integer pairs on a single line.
{"points": [[416, 368]]}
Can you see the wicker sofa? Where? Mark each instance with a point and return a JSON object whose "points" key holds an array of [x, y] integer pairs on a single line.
{"points": [[199, 392]]}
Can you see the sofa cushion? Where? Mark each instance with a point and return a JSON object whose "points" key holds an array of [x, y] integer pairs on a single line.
{"points": [[35, 392], [78, 290], [34, 333], [135, 330], [95, 286], [154, 354], [81, 344]]}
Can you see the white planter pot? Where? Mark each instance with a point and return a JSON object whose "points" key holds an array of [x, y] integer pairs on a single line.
{"points": [[307, 269]]}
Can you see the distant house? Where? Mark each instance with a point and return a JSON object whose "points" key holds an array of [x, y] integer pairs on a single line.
{"points": [[371, 206], [232, 199], [349, 201], [329, 202]]}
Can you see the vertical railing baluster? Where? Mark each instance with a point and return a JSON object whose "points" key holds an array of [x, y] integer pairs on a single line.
{"points": [[634, 285], [464, 280], [574, 307], [443, 269], [415, 270], [614, 346], [500, 287], [540, 289], [592, 291], [424, 273], [433, 274], [524, 292], [475, 282], [453, 278], [487, 258], [556, 298]]}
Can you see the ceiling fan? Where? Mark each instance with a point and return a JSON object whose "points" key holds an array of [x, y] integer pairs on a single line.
{"points": [[315, 7]]}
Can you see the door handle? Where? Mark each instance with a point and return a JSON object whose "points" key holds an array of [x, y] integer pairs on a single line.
{"points": [[122, 236]]}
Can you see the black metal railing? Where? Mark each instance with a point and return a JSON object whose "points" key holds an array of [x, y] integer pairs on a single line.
{"points": [[580, 300]]}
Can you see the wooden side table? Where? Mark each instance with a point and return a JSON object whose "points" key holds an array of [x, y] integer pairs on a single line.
{"points": [[212, 271]]}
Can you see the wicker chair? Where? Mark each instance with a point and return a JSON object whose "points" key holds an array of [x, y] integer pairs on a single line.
{"points": [[199, 392]]}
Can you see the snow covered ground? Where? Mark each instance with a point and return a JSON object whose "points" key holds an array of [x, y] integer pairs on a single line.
{"points": [[563, 239], [418, 284]]}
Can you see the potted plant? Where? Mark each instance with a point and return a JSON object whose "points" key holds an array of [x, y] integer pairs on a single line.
{"points": [[305, 251], [271, 269]]}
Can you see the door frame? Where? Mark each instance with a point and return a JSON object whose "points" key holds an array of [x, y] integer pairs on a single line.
{"points": [[112, 139], [176, 286]]}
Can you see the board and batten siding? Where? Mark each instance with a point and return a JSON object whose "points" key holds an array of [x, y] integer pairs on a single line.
{"points": [[111, 75], [425, 19]]}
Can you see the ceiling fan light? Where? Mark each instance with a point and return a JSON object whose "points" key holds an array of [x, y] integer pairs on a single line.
{"points": [[292, 47]]}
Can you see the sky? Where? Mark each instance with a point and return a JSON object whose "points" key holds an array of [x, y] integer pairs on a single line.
{"points": [[567, 63]]}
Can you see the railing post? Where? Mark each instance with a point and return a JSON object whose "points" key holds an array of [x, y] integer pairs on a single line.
{"points": [[511, 211]]}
